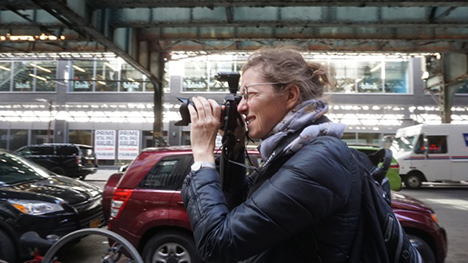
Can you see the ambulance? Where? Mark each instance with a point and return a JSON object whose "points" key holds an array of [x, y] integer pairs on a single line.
{"points": [[432, 153]]}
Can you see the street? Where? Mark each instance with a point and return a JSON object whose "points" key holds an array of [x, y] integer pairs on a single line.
{"points": [[450, 203]]}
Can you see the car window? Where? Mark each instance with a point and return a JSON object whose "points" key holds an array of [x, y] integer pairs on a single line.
{"points": [[162, 176], [36, 150], [14, 170], [86, 151], [69, 150]]}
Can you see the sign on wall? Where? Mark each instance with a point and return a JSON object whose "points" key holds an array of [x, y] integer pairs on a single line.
{"points": [[104, 144], [129, 144]]}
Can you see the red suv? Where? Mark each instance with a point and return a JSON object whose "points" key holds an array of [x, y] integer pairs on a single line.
{"points": [[144, 205]]}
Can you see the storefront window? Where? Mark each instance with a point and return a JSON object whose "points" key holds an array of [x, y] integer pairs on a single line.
{"points": [[132, 79], [344, 73], [349, 137], [369, 76], [396, 77], [107, 75], [463, 89], [23, 73], [45, 75], [369, 138], [5, 76], [80, 136], [149, 87], [82, 75], [39, 136], [215, 68], [18, 138], [4, 139], [195, 78]]}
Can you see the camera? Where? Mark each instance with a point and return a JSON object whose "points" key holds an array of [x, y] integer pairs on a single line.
{"points": [[227, 107]]}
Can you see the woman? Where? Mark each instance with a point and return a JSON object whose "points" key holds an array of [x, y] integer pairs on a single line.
{"points": [[303, 203]]}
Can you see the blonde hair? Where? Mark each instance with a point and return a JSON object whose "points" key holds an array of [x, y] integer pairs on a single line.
{"points": [[287, 66]]}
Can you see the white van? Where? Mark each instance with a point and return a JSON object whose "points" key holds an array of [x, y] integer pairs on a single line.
{"points": [[432, 152]]}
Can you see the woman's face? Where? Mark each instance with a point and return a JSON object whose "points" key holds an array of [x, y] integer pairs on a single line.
{"points": [[264, 107]]}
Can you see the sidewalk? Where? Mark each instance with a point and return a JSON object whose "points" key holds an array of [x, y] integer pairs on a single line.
{"points": [[102, 174]]}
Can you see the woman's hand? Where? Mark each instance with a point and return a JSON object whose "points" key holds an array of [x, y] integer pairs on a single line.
{"points": [[205, 118]]}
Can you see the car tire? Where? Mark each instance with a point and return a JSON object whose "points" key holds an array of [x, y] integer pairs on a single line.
{"points": [[171, 246], [58, 170], [7, 249], [413, 180], [424, 249]]}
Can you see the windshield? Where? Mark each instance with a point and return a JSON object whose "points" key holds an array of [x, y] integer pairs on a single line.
{"points": [[404, 144], [14, 169]]}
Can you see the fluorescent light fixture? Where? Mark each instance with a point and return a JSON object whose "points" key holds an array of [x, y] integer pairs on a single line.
{"points": [[110, 66], [78, 68], [39, 67], [102, 82], [5, 68], [37, 77]]}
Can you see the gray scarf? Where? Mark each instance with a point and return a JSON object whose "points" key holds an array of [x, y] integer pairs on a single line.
{"points": [[303, 115]]}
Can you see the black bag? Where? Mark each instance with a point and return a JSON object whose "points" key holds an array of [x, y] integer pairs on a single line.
{"points": [[380, 237]]}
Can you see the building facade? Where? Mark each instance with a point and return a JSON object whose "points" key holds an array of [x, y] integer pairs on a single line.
{"points": [[98, 99]]}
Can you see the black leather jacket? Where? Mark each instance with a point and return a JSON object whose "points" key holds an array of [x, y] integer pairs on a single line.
{"points": [[307, 210]]}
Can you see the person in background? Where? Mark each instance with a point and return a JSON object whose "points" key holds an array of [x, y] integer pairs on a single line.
{"points": [[303, 203]]}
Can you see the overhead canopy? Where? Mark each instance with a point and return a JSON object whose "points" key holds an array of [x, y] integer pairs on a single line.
{"points": [[126, 26]]}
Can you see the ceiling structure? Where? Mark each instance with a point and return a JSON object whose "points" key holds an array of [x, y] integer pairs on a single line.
{"points": [[133, 29]]}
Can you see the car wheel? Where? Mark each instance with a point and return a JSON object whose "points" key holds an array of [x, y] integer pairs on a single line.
{"points": [[424, 249], [177, 247], [58, 170], [7, 249], [413, 181]]}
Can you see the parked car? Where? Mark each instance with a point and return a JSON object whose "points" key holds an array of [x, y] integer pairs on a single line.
{"points": [[393, 174], [73, 160], [144, 205], [35, 199]]}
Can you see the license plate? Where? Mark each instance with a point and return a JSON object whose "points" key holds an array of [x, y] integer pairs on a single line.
{"points": [[89, 161], [95, 223]]}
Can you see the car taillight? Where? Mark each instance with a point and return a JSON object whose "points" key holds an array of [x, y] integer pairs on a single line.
{"points": [[78, 159], [119, 199], [395, 166]]}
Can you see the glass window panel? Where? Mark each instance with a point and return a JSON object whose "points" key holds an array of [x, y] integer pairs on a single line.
{"points": [[80, 137], [23, 80], [5, 76], [38, 136], [132, 79], [195, 78], [82, 75], [107, 75], [46, 72], [18, 138], [396, 77], [215, 67], [4, 139], [369, 138], [349, 137], [344, 73], [463, 89], [149, 86], [369, 76]]}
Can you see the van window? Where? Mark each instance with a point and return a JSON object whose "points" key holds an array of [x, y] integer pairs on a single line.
{"points": [[435, 144]]}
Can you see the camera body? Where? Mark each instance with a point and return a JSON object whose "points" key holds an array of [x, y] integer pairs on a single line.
{"points": [[231, 99]]}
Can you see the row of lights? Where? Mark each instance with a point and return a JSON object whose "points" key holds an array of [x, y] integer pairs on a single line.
{"points": [[42, 37]]}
